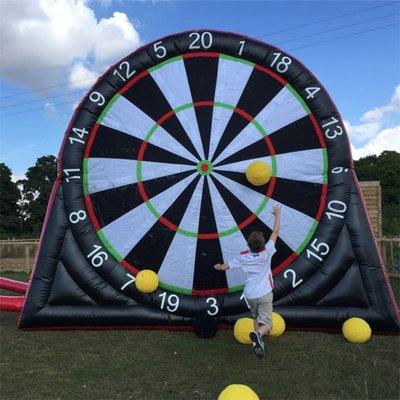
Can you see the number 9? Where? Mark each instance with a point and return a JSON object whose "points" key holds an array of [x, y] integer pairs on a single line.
{"points": [[98, 98]]}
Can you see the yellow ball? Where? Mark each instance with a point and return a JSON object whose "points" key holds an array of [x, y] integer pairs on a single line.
{"points": [[356, 330], [278, 325], [238, 392], [242, 329], [146, 281], [258, 173]]}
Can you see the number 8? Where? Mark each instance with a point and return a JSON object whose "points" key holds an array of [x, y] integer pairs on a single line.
{"points": [[77, 216]]}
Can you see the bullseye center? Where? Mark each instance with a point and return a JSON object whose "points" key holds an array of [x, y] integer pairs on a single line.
{"points": [[204, 167]]}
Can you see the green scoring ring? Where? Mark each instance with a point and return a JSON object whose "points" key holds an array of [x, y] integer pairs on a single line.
{"points": [[225, 232]]}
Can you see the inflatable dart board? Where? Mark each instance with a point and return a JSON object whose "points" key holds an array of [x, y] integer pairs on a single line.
{"points": [[152, 176]]}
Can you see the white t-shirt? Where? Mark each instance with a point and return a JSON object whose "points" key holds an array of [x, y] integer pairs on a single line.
{"points": [[257, 267]]}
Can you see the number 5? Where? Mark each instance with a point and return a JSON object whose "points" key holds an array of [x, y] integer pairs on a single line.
{"points": [[163, 51]]}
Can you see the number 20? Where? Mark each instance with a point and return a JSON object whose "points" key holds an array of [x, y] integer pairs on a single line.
{"points": [[205, 40]]}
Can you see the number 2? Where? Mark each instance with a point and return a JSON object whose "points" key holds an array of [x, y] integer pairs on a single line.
{"points": [[293, 273]]}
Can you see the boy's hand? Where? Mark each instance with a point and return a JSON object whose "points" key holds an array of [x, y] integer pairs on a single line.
{"points": [[277, 210], [217, 266]]}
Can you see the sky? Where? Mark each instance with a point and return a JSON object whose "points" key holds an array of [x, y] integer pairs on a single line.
{"points": [[51, 50]]}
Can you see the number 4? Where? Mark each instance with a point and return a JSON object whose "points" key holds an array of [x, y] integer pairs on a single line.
{"points": [[311, 91]]}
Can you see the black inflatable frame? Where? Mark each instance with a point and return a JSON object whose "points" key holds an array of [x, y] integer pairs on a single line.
{"points": [[65, 291]]}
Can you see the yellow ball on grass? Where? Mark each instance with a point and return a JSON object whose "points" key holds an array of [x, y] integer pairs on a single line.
{"points": [[278, 325], [356, 330], [242, 329], [146, 281], [238, 392], [258, 173]]}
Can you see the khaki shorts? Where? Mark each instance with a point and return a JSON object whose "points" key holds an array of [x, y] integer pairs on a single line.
{"points": [[261, 309]]}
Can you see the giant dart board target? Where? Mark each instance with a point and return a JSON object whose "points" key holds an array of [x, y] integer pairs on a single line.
{"points": [[152, 176]]}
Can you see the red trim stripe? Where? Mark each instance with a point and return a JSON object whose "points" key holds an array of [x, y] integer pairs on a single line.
{"points": [[13, 285], [210, 292], [208, 235], [271, 186], [92, 215], [129, 267], [91, 139], [142, 192], [270, 146], [284, 264], [142, 150], [168, 223], [133, 81], [322, 202], [244, 114], [205, 103], [270, 73], [11, 303], [247, 221], [201, 54], [169, 114], [318, 130]]}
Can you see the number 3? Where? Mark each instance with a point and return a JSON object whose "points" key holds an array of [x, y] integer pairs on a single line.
{"points": [[214, 308]]}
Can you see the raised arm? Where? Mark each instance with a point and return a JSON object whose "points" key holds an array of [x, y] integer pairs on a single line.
{"points": [[277, 223]]}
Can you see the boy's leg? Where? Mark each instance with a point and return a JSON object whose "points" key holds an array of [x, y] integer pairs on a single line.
{"points": [[255, 337], [255, 324], [265, 314]]}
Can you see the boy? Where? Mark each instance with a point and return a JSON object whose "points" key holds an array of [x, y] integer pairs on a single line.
{"points": [[256, 263]]}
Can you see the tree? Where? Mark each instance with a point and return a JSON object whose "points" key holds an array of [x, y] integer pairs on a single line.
{"points": [[9, 197], [386, 169], [36, 190]]}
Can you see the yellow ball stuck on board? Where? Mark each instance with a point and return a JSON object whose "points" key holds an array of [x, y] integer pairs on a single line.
{"points": [[258, 173], [238, 392], [146, 281], [242, 329], [278, 325], [356, 330]]}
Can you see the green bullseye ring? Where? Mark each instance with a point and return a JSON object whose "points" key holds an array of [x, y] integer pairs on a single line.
{"points": [[204, 168]]}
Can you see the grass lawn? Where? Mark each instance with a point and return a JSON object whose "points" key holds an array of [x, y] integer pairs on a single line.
{"points": [[154, 365]]}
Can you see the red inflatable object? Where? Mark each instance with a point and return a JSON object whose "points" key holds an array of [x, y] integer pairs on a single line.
{"points": [[11, 303], [13, 286]]}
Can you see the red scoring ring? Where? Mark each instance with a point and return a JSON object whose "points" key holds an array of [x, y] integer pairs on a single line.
{"points": [[243, 224], [271, 185]]}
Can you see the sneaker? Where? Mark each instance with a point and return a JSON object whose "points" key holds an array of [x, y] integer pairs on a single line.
{"points": [[258, 344]]}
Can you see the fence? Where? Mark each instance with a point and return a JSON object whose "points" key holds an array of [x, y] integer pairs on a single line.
{"points": [[19, 254]]}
